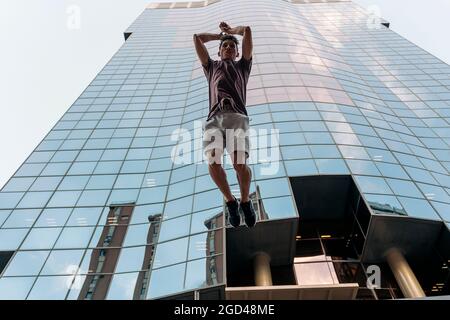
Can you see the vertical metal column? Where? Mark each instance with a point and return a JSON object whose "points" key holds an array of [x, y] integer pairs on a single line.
{"points": [[404, 275], [261, 266]]}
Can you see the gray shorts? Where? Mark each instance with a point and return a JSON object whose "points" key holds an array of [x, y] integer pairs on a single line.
{"points": [[226, 130]]}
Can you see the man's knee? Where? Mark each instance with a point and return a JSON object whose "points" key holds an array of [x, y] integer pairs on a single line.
{"points": [[240, 168], [239, 159], [214, 157]]}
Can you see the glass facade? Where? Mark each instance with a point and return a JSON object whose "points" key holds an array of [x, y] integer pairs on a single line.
{"points": [[101, 198]]}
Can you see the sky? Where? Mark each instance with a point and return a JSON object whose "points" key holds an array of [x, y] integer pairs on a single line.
{"points": [[48, 58]]}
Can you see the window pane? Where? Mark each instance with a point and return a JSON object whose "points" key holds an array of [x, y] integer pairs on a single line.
{"points": [[166, 281], [363, 167], [372, 185], [203, 272], [101, 182], [207, 200], [137, 235], [53, 217], [419, 208], [10, 239], [26, 263], [64, 199], [301, 167], [152, 195], [84, 216], [15, 288], [50, 288], [273, 187], [122, 286], [392, 170], [278, 208], [205, 244], [73, 183], [131, 259], [18, 184], [74, 237], [22, 218], [404, 188], [45, 184], [171, 252], [178, 207], [34, 200], [174, 228], [42, 238], [62, 262], [93, 198]]}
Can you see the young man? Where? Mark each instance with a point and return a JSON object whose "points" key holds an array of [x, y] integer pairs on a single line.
{"points": [[227, 122]]}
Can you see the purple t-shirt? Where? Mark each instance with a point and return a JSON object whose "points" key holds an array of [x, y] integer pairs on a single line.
{"points": [[227, 79]]}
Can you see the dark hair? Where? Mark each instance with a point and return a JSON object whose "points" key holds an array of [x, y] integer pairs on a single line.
{"points": [[228, 37]]}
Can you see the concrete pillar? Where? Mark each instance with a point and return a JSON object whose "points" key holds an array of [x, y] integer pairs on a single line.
{"points": [[261, 267], [404, 275]]}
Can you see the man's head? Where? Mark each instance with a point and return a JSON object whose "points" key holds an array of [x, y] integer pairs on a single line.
{"points": [[228, 48]]}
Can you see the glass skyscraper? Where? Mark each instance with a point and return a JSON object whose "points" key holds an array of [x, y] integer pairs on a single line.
{"points": [[356, 201]]}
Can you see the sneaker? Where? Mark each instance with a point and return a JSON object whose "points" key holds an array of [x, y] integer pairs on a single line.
{"points": [[249, 213], [233, 210]]}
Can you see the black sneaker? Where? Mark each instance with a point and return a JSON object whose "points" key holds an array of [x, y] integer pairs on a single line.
{"points": [[249, 213], [233, 210]]}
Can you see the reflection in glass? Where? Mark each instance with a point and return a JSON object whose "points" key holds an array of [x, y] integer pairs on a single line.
{"points": [[175, 228], [74, 237], [274, 187], [363, 167], [42, 238], [204, 272], [372, 185], [122, 286], [62, 262], [166, 281], [207, 200], [279, 208], [26, 263], [136, 235], [34, 200], [10, 239], [130, 259], [53, 217], [178, 207], [419, 208], [50, 288], [207, 220], [392, 170], [404, 188], [300, 167], [102, 259], [384, 204], [171, 252], [15, 288], [84, 216], [331, 166], [206, 244]]}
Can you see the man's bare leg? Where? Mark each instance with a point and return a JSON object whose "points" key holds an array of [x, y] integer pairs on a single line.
{"points": [[219, 177], [243, 174]]}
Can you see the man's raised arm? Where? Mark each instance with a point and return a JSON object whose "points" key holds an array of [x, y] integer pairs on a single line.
{"points": [[247, 41], [199, 40]]}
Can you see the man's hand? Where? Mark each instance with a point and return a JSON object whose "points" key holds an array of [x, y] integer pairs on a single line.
{"points": [[225, 27]]}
